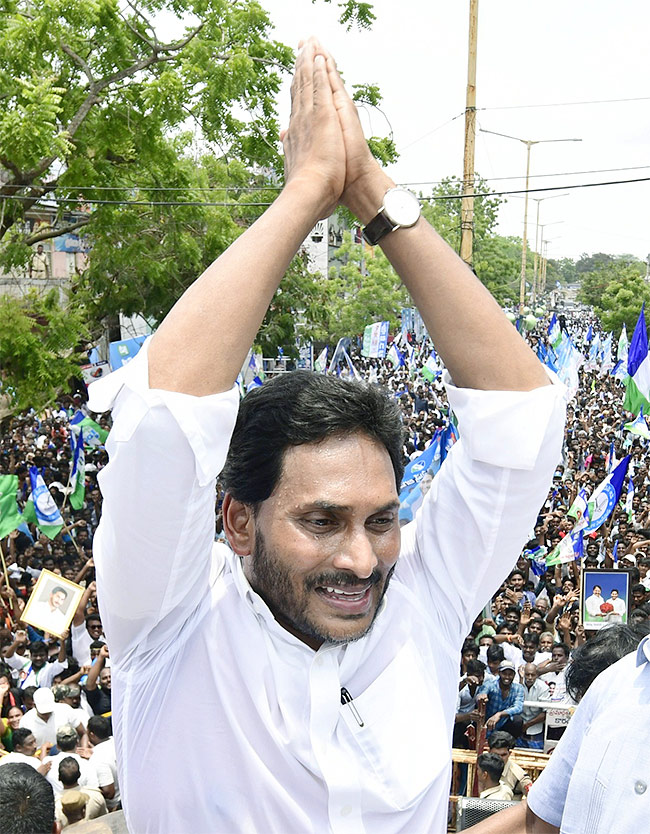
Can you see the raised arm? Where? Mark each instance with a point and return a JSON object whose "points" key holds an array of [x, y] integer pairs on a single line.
{"points": [[469, 329], [202, 343]]}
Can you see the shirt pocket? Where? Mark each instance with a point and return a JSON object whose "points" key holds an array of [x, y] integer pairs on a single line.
{"points": [[403, 739]]}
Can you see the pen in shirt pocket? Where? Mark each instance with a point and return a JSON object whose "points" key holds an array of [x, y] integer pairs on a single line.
{"points": [[346, 698]]}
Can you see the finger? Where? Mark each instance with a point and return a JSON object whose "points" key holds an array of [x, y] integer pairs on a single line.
{"points": [[323, 97], [301, 86]]}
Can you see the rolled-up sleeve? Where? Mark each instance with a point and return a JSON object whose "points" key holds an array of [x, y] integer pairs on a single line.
{"points": [[484, 501], [152, 548]]}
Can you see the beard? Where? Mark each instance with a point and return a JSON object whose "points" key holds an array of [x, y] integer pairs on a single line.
{"points": [[289, 596]]}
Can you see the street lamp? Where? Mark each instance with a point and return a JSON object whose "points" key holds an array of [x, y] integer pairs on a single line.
{"points": [[528, 143], [539, 200]]}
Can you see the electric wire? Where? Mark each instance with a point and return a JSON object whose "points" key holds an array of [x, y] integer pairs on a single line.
{"points": [[195, 203]]}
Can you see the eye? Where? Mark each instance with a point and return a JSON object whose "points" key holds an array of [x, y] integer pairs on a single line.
{"points": [[319, 522], [382, 522]]}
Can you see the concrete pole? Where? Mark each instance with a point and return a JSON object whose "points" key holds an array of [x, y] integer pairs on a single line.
{"points": [[535, 288], [467, 202], [522, 286]]}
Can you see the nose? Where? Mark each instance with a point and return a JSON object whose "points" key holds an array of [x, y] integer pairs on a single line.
{"points": [[357, 554]]}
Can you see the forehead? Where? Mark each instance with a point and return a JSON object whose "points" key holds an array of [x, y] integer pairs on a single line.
{"points": [[351, 471]]}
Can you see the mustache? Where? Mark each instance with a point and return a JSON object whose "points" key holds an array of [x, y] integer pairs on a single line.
{"points": [[344, 579]]}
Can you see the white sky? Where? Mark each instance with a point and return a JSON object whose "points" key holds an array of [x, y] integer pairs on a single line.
{"points": [[529, 53]]}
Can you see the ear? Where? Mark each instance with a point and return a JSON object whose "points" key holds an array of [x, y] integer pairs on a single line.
{"points": [[238, 525]]}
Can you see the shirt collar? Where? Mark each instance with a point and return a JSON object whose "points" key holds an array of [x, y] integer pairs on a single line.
{"points": [[643, 652]]}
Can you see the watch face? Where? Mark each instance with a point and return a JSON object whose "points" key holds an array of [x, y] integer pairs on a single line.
{"points": [[401, 206]]}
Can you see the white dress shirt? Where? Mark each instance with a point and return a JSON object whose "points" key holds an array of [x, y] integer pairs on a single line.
{"points": [[267, 745], [45, 731], [598, 778]]}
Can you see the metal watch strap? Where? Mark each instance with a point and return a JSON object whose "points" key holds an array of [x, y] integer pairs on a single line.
{"points": [[378, 227]]}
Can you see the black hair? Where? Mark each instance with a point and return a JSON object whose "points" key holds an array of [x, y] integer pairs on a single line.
{"points": [[97, 644], [100, 726], [59, 590], [19, 737], [298, 408], [475, 667], [531, 637], [606, 647], [513, 609], [495, 652], [492, 764], [26, 800], [69, 771], [638, 586], [37, 646], [563, 646], [501, 739], [469, 646]]}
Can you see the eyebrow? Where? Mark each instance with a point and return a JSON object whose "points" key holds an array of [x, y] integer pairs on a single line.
{"points": [[329, 506]]}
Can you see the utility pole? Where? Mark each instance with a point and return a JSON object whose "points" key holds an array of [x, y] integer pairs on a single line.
{"points": [[528, 143], [467, 202], [538, 289]]}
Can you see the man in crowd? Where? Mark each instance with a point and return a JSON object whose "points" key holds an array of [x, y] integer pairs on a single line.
{"points": [[67, 740], [104, 760], [24, 752], [490, 769], [71, 780], [285, 642], [514, 776], [35, 670], [532, 729], [504, 701], [555, 671], [46, 717], [26, 801], [99, 696]]}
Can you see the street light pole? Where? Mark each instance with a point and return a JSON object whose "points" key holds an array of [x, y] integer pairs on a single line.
{"points": [[529, 143], [539, 200]]}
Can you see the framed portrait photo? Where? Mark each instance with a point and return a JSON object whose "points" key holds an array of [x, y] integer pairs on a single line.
{"points": [[605, 597], [52, 603]]}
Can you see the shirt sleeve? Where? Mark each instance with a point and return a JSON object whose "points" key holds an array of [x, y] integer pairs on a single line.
{"points": [[153, 545], [81, 641], [484, 501], [548, 793], [104, 773]]}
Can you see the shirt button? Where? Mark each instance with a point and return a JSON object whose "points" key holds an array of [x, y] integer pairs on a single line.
{"points": [[346, 810], [640, 787]]}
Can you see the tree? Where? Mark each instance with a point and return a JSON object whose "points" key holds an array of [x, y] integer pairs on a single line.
{"points": [[602, 270], [362, 288], [621, 301], [442, 210], [498, 265], [94, 102], [39, 349]]}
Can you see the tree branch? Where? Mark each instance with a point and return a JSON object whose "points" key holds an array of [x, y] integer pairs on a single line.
{"points": [[80, 61], [51, 231], [96, 87]]}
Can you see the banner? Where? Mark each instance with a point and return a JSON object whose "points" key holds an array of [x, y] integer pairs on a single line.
{"points": [[95, 371], [375, 337], [120, 353]]}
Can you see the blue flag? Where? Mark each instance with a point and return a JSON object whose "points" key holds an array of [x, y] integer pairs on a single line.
{"points": [[606, 495], [615, 551], [418, 467]]}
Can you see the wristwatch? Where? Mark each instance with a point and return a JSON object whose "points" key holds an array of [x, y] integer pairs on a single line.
{"points": [[401, 209]]}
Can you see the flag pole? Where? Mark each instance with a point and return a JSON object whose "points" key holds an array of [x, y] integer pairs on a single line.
{"points": [[6, 574]]}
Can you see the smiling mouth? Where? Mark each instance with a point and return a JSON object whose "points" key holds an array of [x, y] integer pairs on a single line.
{"points": [[346, 600]]}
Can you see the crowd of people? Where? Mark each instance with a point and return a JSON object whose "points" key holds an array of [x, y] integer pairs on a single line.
{"points": [[56, 691]]}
